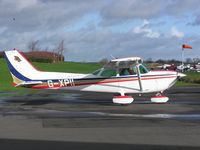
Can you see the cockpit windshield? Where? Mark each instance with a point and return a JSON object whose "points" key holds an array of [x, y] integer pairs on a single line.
{"points": [[143, 69]]}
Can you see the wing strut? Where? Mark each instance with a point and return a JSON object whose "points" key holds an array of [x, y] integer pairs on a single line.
{"points": [[139, 76]]}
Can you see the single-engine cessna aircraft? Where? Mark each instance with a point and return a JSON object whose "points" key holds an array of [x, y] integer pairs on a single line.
{"points": [[120, 76]]}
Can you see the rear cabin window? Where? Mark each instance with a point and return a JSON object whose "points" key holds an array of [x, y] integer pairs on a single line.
{"points": [[109, 73]]}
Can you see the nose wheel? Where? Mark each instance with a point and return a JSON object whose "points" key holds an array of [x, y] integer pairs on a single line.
{"points": [[159, 98]]}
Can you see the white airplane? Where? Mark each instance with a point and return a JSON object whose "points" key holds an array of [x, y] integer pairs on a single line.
{"points": [[198, 67], [119, 76]]}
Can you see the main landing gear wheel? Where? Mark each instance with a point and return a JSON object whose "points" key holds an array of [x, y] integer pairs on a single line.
{"points": [[123, 100], [159, 99]]}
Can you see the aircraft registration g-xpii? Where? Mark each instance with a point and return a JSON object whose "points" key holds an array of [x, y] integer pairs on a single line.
{"points": [[119, 76]]}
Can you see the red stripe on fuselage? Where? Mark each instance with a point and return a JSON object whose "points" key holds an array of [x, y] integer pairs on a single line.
{"points": [[40, 87], [101, 82]]}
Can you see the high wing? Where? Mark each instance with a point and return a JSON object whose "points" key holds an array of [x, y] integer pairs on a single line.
{"points": [[123, 62]]}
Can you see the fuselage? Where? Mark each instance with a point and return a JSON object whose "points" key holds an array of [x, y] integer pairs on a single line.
{"points": [[119, 76], [153, 81]]}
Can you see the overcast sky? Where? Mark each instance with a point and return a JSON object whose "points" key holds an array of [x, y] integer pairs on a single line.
{"points": [[96, 29]]}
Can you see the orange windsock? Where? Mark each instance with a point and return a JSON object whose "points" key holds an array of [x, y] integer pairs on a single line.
{"points": [[186, 46]]}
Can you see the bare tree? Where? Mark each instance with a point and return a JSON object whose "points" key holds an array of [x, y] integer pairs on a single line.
{"points": [[33, 45], [60, 50], [55, 56]]}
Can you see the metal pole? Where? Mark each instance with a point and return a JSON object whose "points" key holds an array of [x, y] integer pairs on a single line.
{"points": [[182, 59]]}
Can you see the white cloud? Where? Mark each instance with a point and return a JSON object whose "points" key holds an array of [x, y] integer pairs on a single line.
{"points": [[146, 30], [19, 4], [26, 3], [176, 33], [3, 29]]}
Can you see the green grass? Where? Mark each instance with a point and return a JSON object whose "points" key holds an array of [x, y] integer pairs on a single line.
{"points": [[5, 77], [73, 67], [192, 77], [192, 74], [181, 83], [6, 80]]}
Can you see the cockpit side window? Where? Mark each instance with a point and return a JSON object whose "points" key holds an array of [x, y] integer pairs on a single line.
{"points": [[108, 73], [126, 71]]}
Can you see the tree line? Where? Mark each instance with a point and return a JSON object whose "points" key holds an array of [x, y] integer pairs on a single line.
{"points": [[38, 54], [162, 61]]}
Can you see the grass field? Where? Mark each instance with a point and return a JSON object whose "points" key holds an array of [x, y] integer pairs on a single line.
{"points": [[75, 67], [192, 77]]}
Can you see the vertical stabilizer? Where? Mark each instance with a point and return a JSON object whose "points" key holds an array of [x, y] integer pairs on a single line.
{"points": [[20, 68]]}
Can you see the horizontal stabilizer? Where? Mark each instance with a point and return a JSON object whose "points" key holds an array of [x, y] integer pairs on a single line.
{"points": [[28, 83]]}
